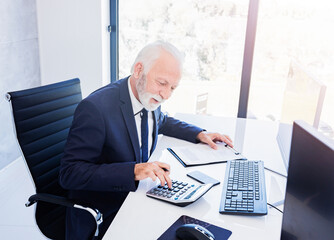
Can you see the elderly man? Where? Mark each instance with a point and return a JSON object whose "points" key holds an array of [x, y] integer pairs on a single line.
{"points": [[114, 132]]}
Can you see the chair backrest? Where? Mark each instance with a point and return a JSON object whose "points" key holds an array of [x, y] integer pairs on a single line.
{"points": [[42, 119]]}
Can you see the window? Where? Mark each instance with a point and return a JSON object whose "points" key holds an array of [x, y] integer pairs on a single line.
{"points": [[212, 35], [293, 56]]}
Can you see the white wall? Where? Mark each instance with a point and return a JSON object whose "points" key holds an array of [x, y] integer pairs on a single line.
{"points": [[19, 65], [74, 42]]}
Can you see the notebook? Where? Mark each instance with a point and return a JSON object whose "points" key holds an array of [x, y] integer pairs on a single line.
{"points": [[202, 154]]}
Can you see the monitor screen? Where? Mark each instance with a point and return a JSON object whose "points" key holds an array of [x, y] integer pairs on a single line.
{"points": [[309, 200], [303, 96]]}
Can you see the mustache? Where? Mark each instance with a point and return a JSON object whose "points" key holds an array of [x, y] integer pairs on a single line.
{"points": [[158, 98]]}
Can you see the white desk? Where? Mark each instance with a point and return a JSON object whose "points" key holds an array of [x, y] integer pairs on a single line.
{"points": [[144, 218]]}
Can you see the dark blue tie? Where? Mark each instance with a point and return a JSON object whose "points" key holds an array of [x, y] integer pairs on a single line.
{"points": [[144, 135]]}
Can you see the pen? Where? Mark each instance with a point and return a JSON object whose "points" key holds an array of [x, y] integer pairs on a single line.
{"points": [[235, 151]]}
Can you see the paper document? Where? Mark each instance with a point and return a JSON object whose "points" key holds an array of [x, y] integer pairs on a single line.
{"points": [[198, 154]]}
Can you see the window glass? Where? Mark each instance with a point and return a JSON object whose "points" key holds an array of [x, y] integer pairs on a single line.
{"points": [[211, 34], [293, 66]]}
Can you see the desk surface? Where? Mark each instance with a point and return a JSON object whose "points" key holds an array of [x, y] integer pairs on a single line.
{"points": [[144, 218]]}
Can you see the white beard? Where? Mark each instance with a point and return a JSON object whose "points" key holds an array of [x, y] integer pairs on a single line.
{"points": [[145, 97]]}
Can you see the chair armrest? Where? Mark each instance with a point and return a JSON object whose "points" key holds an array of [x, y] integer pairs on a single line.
{"points": [[44, 197]]}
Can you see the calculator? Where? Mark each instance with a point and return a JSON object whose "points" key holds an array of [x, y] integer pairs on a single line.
{"points": [[181, 193]]}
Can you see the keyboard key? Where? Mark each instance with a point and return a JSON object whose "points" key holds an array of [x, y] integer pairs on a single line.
{"points": [[230, 208], [241, 209]]}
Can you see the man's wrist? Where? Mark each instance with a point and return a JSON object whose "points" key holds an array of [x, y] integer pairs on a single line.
{"points": [[198, 137]]}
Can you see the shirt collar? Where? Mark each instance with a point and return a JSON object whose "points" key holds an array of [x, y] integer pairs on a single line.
{"points": [[136, 105]]}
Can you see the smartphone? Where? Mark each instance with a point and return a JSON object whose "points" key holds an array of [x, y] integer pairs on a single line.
{"points": [[202, 178]]}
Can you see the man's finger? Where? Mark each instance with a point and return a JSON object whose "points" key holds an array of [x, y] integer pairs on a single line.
{"points": [[211, 143], [152, 176], [228, 138], [168, 180], [162, 179], [228, 142], [162, 165]]}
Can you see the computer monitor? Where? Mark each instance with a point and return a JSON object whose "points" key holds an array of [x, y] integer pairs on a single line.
{"points": [[303, 96], [284, 142], [309, 200], [303, 99]]}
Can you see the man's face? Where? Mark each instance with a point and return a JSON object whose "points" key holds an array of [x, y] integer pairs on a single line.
{"points": [[159, 83], [146, 97]]}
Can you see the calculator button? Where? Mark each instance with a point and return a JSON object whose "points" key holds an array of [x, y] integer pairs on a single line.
{"points": [[180, 194]]}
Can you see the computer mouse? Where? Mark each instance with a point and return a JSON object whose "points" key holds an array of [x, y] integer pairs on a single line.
{"points": [[193, 232]]}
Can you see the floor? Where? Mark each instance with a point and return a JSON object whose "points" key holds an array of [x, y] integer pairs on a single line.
{"points": [[17, 221]]}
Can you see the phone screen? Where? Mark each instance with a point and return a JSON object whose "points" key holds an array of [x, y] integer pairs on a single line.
{"points": [[202, 177]]}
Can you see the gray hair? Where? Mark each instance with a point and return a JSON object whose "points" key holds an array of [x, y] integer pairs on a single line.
{"points": [[151, 52]]}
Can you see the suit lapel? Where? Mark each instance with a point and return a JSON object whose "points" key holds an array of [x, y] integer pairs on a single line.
{"points": [[129, 119]]}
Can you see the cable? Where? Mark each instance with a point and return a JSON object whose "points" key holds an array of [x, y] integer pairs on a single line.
{"points": [[275, 172], [268, 169], [275, 208]]}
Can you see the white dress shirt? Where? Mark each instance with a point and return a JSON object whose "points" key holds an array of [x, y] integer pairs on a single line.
{"points": [[137, 107]]}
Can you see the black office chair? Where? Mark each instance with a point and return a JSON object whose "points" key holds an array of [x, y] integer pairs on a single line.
{"points": [[42, 119]]}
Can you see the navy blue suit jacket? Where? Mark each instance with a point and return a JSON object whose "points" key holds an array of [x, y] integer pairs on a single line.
{"points": [[102, 149]]}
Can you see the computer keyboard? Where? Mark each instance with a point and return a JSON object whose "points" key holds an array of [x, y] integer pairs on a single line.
{"points": [[244, 190], [181, 193]]}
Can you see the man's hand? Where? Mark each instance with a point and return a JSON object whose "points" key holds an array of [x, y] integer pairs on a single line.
{"points": [[211, 138], [153, 170]]}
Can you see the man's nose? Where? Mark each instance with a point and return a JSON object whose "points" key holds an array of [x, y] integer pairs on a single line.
{"points": [[165, 93]]}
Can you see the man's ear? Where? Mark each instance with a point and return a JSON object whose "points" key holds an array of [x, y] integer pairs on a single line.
{"points": [[138, 69]]}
